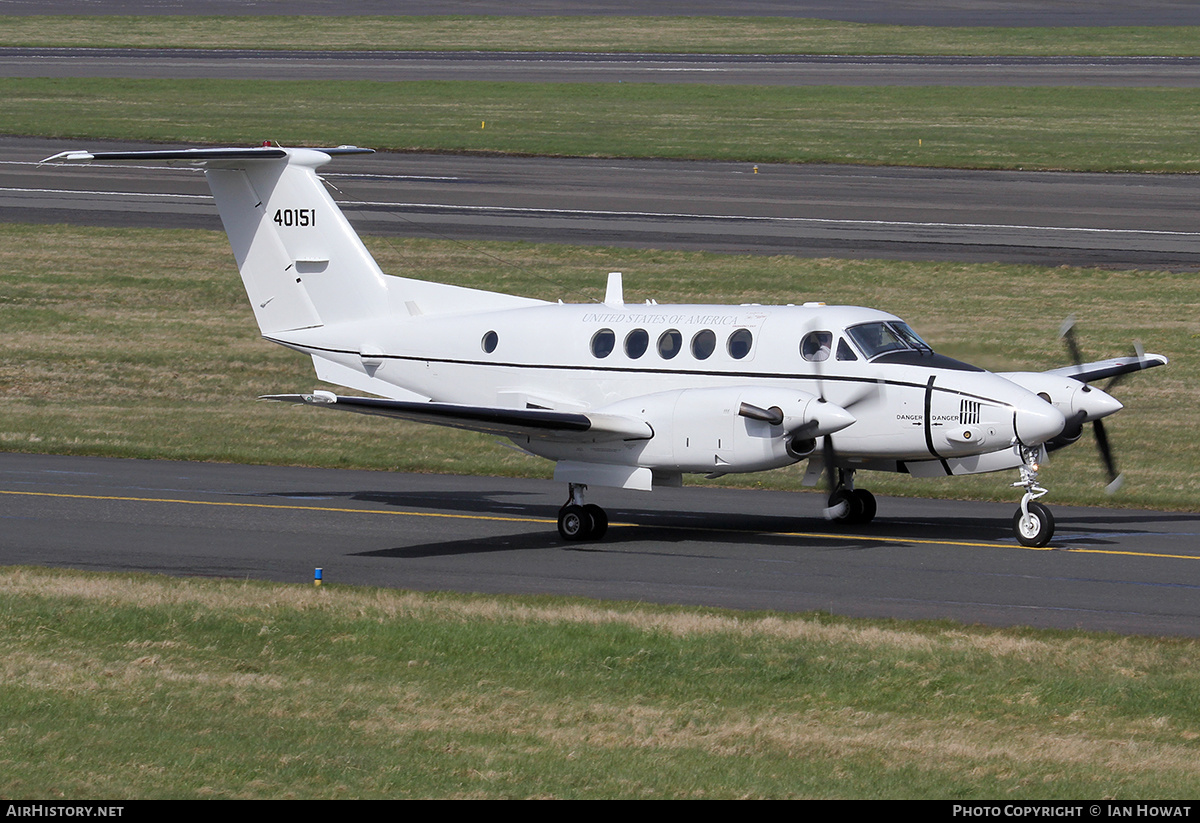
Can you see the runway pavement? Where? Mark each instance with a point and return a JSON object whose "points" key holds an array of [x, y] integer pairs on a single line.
{"points": [[573, 67], [1124, 571], [1114, 220]]}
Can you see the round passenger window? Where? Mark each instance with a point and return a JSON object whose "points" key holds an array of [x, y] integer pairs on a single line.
{"points": [[703, 344], [636, 342], [489, 342], [739, 343], [816, 345], [603, 342], [669, 344]]}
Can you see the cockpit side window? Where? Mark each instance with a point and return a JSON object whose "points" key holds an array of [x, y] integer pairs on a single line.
{"points": [[816, 345], [874, 339], [844, 352], [910, 337]]}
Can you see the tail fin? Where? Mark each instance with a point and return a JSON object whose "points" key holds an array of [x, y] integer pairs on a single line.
{"points": [[301, 262]]}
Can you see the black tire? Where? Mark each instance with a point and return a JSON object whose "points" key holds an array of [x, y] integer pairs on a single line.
{"points": [[599, 521], [574, 523], [1035, 531], [853, 509], [869, 506]]}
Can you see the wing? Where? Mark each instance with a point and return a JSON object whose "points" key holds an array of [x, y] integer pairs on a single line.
{"points": [[542, 424], [1113, 367]]}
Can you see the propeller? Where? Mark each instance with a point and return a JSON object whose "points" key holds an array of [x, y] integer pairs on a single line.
{"points": [[1115, 479], [828, 450]]}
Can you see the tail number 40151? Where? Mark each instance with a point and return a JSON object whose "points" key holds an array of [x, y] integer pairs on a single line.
{"points": [[295, 217]]}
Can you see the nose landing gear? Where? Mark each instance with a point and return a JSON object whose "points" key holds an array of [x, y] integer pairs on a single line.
{"points": [[1033, 524]]}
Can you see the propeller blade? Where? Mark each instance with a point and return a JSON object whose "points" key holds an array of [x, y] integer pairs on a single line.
{"points": [[1067, 333], [1139, 352], [830, 456], [817, 358], [1110, 465], [870, 392]]}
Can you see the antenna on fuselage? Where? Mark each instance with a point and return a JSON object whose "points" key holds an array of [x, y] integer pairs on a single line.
{"points": [[614, 295]]}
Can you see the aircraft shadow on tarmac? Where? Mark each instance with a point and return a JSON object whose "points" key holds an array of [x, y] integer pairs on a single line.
{"points": [[648, 540], [648, 531]]}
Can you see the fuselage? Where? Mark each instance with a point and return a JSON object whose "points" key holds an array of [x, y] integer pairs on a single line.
{"points": [[908, 402]]}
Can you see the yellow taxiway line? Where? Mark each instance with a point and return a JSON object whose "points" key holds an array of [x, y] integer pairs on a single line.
{"points": [[503, 519]]}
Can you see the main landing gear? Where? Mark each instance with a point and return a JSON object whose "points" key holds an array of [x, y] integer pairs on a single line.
{"points": [[581, 521], [848, 504], [1033, 524]]}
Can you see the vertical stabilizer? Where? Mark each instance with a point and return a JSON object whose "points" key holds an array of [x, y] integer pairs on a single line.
{"points": [[301, 262]]}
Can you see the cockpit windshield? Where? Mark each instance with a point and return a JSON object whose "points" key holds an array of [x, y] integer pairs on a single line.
{"points": [[874, 339]]}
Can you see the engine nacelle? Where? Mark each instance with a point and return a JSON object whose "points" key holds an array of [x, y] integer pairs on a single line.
{"points": [[1074, 398], [731, 429]]}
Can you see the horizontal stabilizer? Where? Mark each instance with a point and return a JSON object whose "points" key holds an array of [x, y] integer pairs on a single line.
{"points": [[1101, 369], [190, 155], [537, 423]]}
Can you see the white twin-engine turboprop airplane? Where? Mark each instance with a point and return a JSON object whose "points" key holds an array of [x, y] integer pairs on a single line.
{"points": [[632, 396]]}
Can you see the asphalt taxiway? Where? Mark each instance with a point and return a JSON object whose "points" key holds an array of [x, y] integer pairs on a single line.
{"points": [[1126, 571]]}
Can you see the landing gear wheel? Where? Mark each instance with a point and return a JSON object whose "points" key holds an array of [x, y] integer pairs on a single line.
{"points": [[853, 509], [1036, 529], [599, 520], [574, 523], [869, 507]]}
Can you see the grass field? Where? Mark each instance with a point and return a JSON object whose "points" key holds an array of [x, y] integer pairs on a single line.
{"points": [[119, 686], [737, 35], [1100, 129], [141, 343]]}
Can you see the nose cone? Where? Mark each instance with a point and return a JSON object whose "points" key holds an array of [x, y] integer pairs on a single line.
{"points": [[1037, 421], [829, 418], [1095, 403]]}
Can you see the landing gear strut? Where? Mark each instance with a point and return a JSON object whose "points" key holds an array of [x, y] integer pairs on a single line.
{"points": [[1033, 524], [581, 521], [848, 504]]}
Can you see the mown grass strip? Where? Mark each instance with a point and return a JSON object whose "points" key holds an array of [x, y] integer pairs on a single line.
{"points": [[123, 686], [1099, 129], [732, 35], [140, 343]]}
